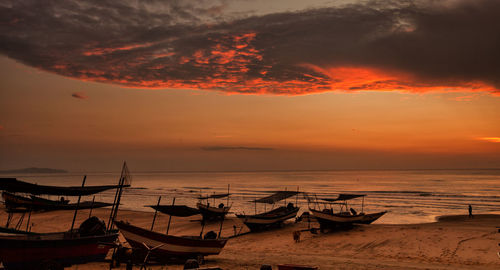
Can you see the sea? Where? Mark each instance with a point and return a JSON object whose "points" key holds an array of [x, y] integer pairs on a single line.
{"points": [[409, 196]]}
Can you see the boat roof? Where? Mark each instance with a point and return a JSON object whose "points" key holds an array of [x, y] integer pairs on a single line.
{"points": [[14, 185], [214, 196], [343, 197], [176, 210], [276, 197]]}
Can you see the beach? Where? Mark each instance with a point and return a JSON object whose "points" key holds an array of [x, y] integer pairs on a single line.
{"points": [[452, 242]]}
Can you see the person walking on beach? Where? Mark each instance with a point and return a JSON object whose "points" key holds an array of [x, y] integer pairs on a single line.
{"points": [[470, 211]]}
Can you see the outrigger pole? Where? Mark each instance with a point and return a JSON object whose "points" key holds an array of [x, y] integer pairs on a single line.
{"points": [[170, 217], [118, 195], [92, 206], [77, 206], [156, 212]]}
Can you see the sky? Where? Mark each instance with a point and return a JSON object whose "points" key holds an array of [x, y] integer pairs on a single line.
{"points": [[249, 85]]}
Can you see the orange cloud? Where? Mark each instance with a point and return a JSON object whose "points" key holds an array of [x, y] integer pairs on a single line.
{"points": [[490, 139]]}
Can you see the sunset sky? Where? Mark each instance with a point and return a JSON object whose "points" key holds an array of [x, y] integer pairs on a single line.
{"points": [[249, 85]]}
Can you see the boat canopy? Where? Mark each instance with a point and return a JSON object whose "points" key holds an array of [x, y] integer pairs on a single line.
{"points": [[214, 196], [14, 185], [343, 197], [176, 210], [276, 197]]}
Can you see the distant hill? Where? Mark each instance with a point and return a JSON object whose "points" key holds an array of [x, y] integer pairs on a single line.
{"points": [[34, 170]]}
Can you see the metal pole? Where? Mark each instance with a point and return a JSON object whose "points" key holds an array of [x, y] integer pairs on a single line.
{"points": [[77, 206], [170, 217], [92, 206], [156, 211]]}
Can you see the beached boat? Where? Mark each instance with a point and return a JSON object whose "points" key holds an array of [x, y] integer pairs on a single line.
{"points": [[209, 212], [14, 185], [345, 217], [274, 217], [41, 250], [34, 203], [169, 247], [90, 242]]}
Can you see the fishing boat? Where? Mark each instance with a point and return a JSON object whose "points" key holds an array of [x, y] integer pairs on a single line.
{"points": [[211, 212], [45, 250], [13, 185], [169, 247], [274, 217], [35, 203], [345, 217], [90, 242]]}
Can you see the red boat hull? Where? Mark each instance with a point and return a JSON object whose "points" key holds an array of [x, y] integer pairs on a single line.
{"points": [[29, 252]]}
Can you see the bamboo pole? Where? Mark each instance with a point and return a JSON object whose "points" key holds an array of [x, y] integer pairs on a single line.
{"points": [[77, 206], [156, 212], [92, 206], [170, 217]]}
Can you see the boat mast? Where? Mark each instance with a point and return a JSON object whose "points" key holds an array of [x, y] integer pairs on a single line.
{"points": [[156, 211], [170, 217], [114, 210], [77, 206], [297, 196], [92, 206], [227, 195]]}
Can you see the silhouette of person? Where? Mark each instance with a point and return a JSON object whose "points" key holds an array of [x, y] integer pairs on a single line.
{"points": [[470, 211]]}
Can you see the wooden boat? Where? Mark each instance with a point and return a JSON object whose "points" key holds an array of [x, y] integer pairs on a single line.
{"points": [[14, 185], [13, 201], [35, 251], [345, 217], [169, 246], [273, 218], [90, 242], [211, 212]]}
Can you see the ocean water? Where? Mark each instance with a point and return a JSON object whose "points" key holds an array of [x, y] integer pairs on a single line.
{"points": [[408, 196]]}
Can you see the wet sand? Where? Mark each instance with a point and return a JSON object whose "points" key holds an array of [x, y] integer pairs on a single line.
{"points": [[453, 242]]}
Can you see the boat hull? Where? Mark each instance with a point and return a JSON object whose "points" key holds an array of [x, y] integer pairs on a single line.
{"points": [[30, 251], [169, 246], [212, 213], [269, 219], [13, 202], [326, 219]]}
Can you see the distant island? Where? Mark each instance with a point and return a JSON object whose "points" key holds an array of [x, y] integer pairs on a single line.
{"points": [[33, 170]]}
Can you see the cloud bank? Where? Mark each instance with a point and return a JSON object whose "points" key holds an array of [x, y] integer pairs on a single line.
{"points": [[196, 45]]}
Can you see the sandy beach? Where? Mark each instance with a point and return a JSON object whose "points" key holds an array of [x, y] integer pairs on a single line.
{"points": [[452, 242]]}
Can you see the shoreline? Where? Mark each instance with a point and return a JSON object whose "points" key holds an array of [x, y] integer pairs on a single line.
{"points": [[452, 242]]}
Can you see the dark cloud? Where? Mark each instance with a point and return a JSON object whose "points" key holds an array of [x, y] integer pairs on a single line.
{"points": [[193, 44], [79, 95], [226, 148]]}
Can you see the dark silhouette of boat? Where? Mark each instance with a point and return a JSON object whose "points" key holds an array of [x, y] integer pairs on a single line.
{"points": [[165, 247], [274, 217], [213, 212], [34, 203], [14, 185], [345, 217], [90, 242], [56, 250]]}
